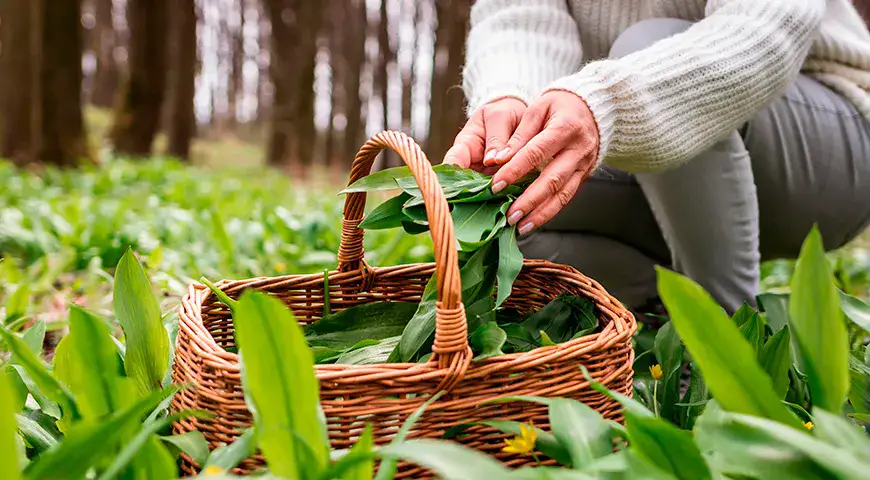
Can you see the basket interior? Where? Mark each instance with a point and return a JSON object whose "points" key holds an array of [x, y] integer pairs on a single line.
{"points": [[304, 295]]}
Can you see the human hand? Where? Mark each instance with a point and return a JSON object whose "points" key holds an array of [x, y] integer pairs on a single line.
{"points": [[485, 134], [558, 125]]}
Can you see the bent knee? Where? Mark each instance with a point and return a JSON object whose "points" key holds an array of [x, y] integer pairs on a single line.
{"points": [[645, 33]]}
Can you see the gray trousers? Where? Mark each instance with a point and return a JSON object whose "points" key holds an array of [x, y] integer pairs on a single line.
{"points": [[803, 160]]}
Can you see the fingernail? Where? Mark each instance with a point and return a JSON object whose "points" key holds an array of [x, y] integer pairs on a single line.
{"points": [[502, 153], [526, 228], [515, 217], [489, 155], [498, 186]]}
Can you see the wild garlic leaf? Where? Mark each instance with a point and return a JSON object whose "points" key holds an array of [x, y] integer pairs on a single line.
{"points": [[510, 262], [487, 341], [369, 321], [387, 215]]}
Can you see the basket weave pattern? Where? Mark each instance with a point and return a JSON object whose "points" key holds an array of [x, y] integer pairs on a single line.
{"points": [[384, 395]]}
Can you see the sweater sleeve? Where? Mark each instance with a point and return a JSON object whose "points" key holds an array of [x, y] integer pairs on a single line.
{"points": [[661, 106], [516, 47]]}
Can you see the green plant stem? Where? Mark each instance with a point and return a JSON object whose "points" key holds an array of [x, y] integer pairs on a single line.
{"points": [[656, 397]]}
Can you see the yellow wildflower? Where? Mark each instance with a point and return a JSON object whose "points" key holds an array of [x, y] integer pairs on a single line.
{"points": [[656, 371], [809, 425], [524, 442], [280, 267], [213, 470]]}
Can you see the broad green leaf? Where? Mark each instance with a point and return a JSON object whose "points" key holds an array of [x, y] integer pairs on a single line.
{"points": [[16, 303], [583, 431], [146, 442], [153, 461], [147, 356], [753, 332], [382, 180], [38, 373], [371, 354], [387, 215], [510, 262], [9, 465], [745, 445], [839, 432], [487, 195], [775, 308], [35, 337], [279, 374], [471, 220], [39, 430], [855, 310], [45, 404], [669, 351], [817, 324], [639, 468], [227, 457], [666, 446], [562, 319], [487, 341], [17, 388], [449, 460], [861, 417], [480, 313], [387, 467], [369, 321], [859, 373], [519, 339], [698, 393], [478, 278], [743, 314], [725, 358], [775, 359], [548, 473], [87, 443], [88, 364], [192, 443], [362, 468]]}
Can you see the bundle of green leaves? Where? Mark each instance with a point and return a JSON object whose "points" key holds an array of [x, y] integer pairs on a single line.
{"points": [[385, 332]]}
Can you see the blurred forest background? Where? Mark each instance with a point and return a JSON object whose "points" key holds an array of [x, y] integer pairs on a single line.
{"points": [[288, 83]]}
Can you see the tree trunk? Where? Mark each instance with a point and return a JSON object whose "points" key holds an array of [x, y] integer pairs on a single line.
{"points": [[182, 75], [137, 114], [63, 140], [447, 116], [17, 92], [237, 53], [408, 77], [382, 81], [295, 26], [336, 18], [107, 75], [354, 56]]}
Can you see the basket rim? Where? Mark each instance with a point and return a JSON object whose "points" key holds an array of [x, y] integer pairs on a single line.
{"points": [[620, 326]]}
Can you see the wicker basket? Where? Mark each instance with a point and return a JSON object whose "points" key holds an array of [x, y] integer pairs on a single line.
{"points": [[384, 395]]}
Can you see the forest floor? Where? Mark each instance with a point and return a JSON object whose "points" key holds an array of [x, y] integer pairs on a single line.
{"points": [[226, 216]]}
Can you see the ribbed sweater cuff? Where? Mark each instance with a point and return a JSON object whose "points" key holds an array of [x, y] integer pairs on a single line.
{"points": [[599, 100]]}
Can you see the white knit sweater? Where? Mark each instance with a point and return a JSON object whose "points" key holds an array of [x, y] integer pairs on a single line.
{"points": [[663, 105]]}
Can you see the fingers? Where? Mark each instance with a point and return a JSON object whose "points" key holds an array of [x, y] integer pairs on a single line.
{"points": [[550, 183], [468, 146], [553, 205], [499, 124], [542, 146]]}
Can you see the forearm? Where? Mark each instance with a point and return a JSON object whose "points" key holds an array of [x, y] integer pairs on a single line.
{"points": [[663, 105], [516, 47]]}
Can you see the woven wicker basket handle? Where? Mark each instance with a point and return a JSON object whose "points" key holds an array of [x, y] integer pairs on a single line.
{"points": [[451, 349]]}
